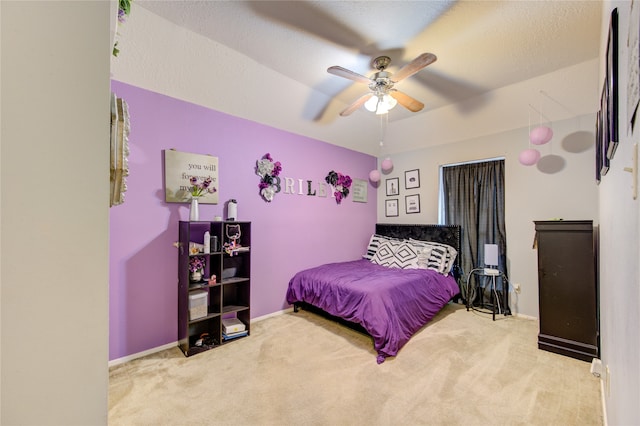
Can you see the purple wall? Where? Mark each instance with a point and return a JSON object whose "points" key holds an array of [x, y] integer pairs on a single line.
{"points": [[291, 233]]}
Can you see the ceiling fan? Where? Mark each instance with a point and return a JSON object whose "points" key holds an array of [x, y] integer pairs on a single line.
{"points": [[382, 96]]}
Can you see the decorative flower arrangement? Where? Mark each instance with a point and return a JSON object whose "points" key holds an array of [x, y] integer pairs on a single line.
{"points": [[268, 170], [199, 189], [340, 183], [124, 9], [196, 264]]}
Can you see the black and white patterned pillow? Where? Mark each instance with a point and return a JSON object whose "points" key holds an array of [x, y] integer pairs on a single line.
{"points": [[438, 259], [450, 258], [374, 243], [385, 252], [394, 254]]}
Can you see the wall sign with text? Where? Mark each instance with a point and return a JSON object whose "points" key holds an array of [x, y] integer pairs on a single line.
{"points": [[179, 167], [359, 190]]}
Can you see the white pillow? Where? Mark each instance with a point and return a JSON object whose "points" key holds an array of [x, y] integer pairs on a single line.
{"points": [[441, 258], [424, 254]]}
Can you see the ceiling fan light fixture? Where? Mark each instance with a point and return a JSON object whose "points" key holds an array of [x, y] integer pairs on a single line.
{"points": [[380, 104], [372, 104], [389, 101], [381, 84], [382, 109]]}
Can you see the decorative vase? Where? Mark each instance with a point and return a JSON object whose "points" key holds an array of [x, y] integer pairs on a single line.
{"points": [[194, 214], [196, 275], [232, 210]]}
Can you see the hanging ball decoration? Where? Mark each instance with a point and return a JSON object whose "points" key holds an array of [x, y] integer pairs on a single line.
{"points": [[541, 135], [529, 157], [374, 176], [387, 165]]}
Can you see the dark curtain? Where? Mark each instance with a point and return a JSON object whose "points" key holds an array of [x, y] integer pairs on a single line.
{"points": [[474, 199]]}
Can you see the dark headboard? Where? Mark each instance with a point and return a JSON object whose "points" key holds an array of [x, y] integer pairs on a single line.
{"points": [[445, 234]]}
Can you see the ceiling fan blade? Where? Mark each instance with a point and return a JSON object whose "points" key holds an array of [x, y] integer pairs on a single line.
{"points": [[343, 72], [407, 101], [414, 66], [310, 19], [357, 104]]}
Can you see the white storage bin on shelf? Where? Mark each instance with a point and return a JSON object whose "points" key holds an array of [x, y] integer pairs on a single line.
{"points": [[232, 325], [197, 304]]}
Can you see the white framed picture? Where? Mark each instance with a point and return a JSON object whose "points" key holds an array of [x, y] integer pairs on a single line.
{"points": [[412, 179], [412, 203], [393, 186], [391, 208]]}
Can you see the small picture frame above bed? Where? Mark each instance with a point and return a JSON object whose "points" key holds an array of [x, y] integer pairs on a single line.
{"points": [[391, 208], [412, 203], [393, 186], [412, 179]]}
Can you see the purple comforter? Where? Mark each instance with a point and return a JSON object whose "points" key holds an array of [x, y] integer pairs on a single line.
{"points": [[390, 303]]}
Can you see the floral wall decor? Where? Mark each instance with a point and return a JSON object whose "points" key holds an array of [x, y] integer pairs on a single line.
{"points": [[268, 170], [340, 183]]}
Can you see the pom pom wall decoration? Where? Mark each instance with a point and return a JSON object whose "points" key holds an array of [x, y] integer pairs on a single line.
{"points": [[540, 135], [529, 157], [387, 165]]}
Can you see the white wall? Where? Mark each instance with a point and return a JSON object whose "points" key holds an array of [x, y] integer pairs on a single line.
{"points": [[620, 251], [54, 179], [532, 192], [565, 93]]}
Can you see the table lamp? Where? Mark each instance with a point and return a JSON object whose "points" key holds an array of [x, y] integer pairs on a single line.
{"points": [[491, 259]]}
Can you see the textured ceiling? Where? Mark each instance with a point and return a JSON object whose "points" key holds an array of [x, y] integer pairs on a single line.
{"points": [[480, 45]]}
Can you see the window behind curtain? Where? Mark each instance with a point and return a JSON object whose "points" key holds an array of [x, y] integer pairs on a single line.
{"points": [[472, 196]]}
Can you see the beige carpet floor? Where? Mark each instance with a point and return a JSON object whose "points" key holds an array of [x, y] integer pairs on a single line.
{"points": [[301, 369]]}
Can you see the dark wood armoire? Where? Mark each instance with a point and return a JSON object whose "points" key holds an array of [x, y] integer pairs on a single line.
{"points": [[568, 288]]}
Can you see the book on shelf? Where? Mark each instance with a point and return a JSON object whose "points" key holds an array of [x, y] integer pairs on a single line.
{"points": [[229, 336]]}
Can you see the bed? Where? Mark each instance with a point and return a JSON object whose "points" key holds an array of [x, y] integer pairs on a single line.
{"points": [[385, 294]]}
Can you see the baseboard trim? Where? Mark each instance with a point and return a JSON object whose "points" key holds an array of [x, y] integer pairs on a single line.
{"points": [[529, 317], [603, 400], [131, 357], [151, 351], [273, 314]]}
